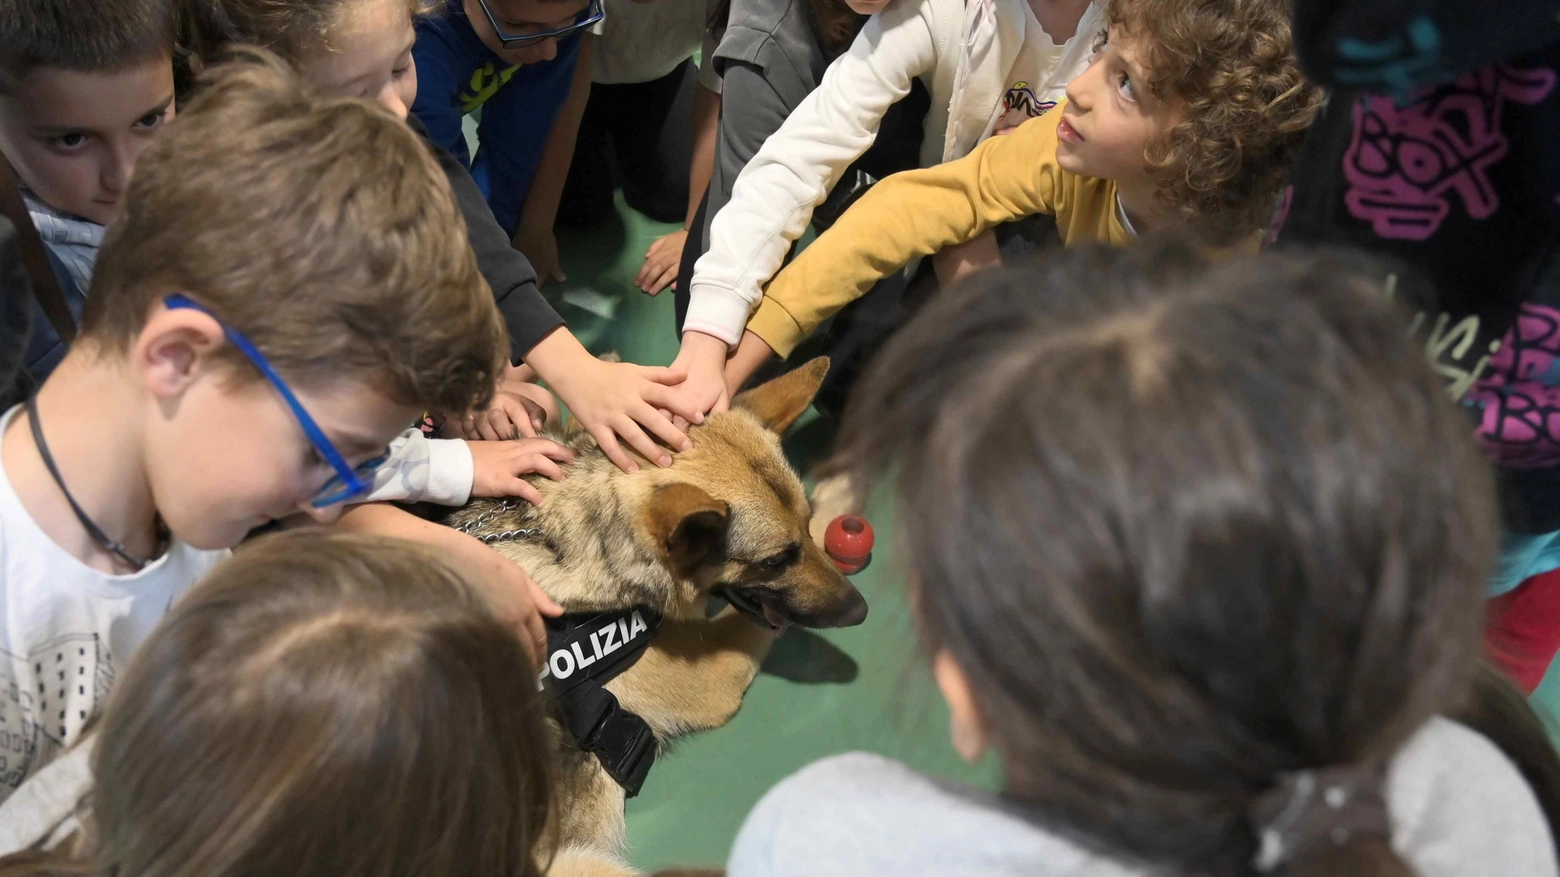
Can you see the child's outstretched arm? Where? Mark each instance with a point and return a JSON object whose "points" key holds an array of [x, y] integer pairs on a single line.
{"points": [[514, 594], [751, 353], [616, 399], [910, 214], [534, 235], [773, 198]]}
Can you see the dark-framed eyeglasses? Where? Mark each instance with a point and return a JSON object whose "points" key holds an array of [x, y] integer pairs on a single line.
{"points": [[349, 482], [587, 17]]}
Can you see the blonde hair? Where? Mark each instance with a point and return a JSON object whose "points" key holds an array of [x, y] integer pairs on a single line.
{"points": [[322, 228], [319, 706]]}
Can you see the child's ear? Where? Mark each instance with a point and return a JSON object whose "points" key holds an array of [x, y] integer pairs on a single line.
{"points": [[966, 725], [173, 347]]}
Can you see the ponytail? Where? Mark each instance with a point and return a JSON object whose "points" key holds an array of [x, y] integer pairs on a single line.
{"points": [[1371, 857], [1330, 822]]}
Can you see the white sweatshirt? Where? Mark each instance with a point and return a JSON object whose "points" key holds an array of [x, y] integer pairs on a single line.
{"points": [[962, 52]]}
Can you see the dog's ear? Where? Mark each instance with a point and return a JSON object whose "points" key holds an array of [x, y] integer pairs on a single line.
{"points": [[688, 524], [779, 402]]}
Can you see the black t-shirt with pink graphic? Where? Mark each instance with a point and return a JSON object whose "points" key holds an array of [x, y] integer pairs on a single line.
{"points": [[1454, 178]]}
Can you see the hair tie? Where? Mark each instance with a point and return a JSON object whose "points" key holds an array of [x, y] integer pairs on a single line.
{"points": [[1312, 808]]}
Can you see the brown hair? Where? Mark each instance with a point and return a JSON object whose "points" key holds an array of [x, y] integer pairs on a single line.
{"points": [[321, 228], [105, 36], [1185, 529], [320, 705], [1231, 64], [290, 28]]}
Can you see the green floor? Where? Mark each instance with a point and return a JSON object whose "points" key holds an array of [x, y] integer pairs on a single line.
{"points": [[819, 693]]}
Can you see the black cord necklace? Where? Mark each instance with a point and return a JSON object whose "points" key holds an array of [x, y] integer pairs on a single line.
{"points": [[93, 530]]}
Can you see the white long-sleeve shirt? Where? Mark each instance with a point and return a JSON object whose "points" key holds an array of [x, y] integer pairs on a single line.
{"points": [[964, 52]]}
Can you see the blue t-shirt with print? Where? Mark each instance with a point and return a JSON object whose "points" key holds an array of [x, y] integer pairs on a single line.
{"points": [[458, 75]]}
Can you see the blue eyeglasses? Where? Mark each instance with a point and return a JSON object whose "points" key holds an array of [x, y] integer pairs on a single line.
{"points": [[348, 482], [589, 16]]}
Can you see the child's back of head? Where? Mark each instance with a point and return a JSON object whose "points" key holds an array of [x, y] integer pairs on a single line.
{"points": [[320, 705], [291, 28], [1183, 535], [320, 228]]}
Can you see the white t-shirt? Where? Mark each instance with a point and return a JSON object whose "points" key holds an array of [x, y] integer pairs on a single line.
{"points": [[644, 41], [1039, 77], [66, 632]]}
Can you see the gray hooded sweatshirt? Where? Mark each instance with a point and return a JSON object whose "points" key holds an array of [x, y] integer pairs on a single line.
{"points": [[1459, 808]]}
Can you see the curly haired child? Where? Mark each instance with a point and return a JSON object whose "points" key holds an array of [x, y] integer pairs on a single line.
{"points": [[1189, 117]]}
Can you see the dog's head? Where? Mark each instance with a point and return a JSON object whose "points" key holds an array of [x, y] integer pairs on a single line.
{"points": [[732, 515]]}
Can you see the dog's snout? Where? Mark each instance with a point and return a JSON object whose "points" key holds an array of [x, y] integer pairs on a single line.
{"points": [[851, 611]]}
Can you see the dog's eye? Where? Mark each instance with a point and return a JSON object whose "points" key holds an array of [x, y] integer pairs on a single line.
{"points": [[788, 556]]}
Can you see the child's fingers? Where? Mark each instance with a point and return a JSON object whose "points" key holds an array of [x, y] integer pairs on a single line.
{"points": [[498, 423], [668, 274], [519, 487], [607, 439], [540, 465], [663, 429], [628, 428], [517, 415], [544, 602], [487, 431], [663, 374], [538, 634], [662, 396], [547, 448]]}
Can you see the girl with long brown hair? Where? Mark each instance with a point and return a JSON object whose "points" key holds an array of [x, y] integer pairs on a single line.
{"points": [[1199, 553], [320, 705]]}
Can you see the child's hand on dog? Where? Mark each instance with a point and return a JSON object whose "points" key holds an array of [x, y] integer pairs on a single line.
{"points": [[516, 598], [703, 357], [620, 399], [519, 409], [497, 466]]}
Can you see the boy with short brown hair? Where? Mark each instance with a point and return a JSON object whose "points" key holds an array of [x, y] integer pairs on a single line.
{"points": [[84, 86], [289, 286]]}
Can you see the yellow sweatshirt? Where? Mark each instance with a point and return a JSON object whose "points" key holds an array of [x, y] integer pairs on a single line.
{"points": [[919, 212]]}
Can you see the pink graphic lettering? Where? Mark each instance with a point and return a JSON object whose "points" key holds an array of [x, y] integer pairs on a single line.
{"points": [[1519, 393], [1406, 159]]}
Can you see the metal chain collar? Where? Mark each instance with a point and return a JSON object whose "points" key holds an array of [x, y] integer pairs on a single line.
{"points": [[471, 527]]}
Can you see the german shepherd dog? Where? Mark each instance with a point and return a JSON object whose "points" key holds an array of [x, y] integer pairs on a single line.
{"points": [[728, 517]]}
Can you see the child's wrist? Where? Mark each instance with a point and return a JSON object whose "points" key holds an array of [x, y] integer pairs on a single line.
{"points": [[703, 348], [555, 357]]}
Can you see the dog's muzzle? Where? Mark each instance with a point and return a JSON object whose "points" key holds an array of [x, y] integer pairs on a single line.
{"points": [[770, 610]]}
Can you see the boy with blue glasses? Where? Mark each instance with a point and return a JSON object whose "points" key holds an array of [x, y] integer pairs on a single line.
{"points": [[276, 305], [526, 65]]}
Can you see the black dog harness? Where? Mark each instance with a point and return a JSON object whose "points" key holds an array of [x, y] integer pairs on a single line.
{"points": [[585, 650]]}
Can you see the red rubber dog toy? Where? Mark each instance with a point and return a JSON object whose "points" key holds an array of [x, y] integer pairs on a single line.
{"points": [[848, 542]]}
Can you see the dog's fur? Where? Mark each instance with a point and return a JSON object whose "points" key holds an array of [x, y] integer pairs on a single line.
{"points": [[729, 516]]}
